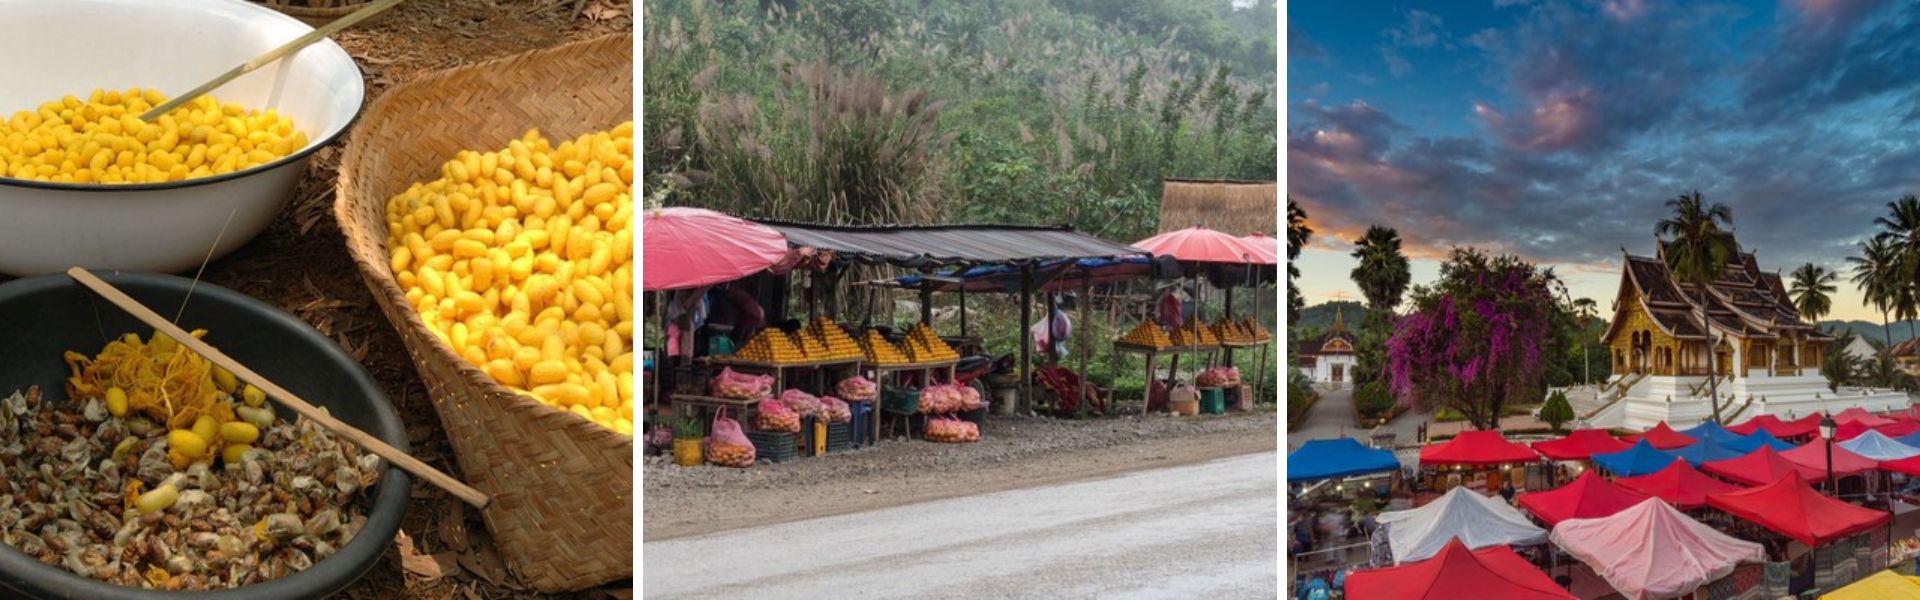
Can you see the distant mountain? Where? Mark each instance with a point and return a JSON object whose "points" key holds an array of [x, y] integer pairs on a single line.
{"points": [[1320, 316], [1871, 329]]}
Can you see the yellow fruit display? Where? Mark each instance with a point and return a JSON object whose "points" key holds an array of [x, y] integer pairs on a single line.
{"points": [[1232, 331], [810, 346], [1195, 334], [924, 346], [839, 345], [1149, 334], [1260, 334], [881, 352], [771, 346], [521, 260], [101, 139]]}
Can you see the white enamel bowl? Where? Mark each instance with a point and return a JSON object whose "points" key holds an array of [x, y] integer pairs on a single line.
{"points": [[71, 47]]}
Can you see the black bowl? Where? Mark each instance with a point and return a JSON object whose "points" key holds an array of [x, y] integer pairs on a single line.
{"points": [[42, 317]]}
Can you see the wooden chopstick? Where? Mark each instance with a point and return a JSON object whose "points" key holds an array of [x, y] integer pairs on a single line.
{"points": [[279, 394], [272, 55]]}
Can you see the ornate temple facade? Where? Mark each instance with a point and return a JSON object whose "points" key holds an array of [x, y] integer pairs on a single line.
{"points": [[1666, 337], [1330, 359]]}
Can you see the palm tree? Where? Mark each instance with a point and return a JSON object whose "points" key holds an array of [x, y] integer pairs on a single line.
{"points": [[1810, 291], [1383, 273], [1298, 234], [1699, 243], [1901, 228], [1874, 272]]}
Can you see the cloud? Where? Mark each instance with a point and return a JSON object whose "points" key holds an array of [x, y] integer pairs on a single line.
{"points": [[1302, 47], [1420, 30], [1834, 52]]}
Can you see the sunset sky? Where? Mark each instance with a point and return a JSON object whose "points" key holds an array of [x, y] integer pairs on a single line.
{"points": [[1557, 130]]}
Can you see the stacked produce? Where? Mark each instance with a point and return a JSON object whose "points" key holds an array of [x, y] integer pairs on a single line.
{"points": [[771, 346], [775, 415], [1260, 334], [102, 140], [728, 446], [520, 260], [924, 346], [835, 410], [951, 431], [733, 385], [163, 472], [1218, 377], [881, 352], [1195, 334], [941, 399], [839, 345], [858, 389], [1148, 334], [1234, 331], [810, 346]]}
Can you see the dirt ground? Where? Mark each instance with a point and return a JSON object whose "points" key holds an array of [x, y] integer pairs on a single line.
{"points": [[300, 264], [1013, 452]]}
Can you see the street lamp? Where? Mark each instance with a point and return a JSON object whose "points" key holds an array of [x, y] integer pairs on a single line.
{"points": [[1826, 431]]}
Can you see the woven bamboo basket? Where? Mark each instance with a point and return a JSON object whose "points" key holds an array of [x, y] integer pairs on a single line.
{"points": [[562, 510], [316, 15]]}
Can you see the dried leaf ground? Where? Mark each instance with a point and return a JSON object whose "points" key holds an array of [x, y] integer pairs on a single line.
{"points": [[300, 264]]}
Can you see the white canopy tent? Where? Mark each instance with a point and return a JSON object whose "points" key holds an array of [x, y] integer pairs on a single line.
{"points": [[1478, 521], [1652, 550]]}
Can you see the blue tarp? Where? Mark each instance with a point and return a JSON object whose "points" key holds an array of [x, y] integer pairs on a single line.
{"points": [[1878, 446], [1911, 439], [1759, 438], [1709, 430], [1641, 459], [1337, 457], [1706, 451]]}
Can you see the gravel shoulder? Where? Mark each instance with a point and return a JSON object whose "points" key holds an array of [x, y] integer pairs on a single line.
{"points": [[1014, 452]]}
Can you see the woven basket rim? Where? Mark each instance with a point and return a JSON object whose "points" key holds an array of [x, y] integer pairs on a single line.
{"points": [[312, 11], [379, 269]]}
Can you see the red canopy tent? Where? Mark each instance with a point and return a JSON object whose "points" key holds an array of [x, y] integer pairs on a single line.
{"points": [[694, 247], [1679, 485], [1456, 572], [1477, 448], [1588, 497], [1853, 429], [1761, 467], [1791, 508], [1582, 444], [1662, 437], [1909, 466], [1860, 415], [1813, 456], [1803, 426]]}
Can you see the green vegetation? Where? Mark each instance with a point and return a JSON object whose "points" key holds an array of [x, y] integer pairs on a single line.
{"points": [[1557, 411], [879, 111], [1372, 400]]}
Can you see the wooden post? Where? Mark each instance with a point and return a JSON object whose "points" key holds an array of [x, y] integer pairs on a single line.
{"points": [[926, 299], [1048, 357], [1086, 287], [963, 308], [1026, 337]]}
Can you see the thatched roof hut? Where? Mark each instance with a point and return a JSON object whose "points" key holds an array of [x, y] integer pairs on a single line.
{"points": [[1236, 207]]}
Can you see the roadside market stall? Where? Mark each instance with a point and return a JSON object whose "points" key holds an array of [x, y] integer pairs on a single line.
{"points": [[1680, 485], [1459, 516], [1587, 496], [1640, 459], [1225, 261], [1652, 550], [1479, 459], [927, 248], [686, 251], [1457, 572]]}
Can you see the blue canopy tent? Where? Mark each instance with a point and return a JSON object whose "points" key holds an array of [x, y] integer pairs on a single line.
{"points": [[1711, 431], [1337, 457], [1706, 451], [1878, 446], [1641, 459], [1755, 440]]}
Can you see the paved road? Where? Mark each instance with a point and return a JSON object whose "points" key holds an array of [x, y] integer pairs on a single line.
{"points": [[1332, 417], [1196, 531]]}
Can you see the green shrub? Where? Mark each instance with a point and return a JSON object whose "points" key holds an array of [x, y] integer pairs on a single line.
{"points": [[1556, 411], [1372, 399]]}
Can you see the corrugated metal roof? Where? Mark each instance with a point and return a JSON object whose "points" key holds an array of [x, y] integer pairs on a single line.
{"points": [[945, 245]]}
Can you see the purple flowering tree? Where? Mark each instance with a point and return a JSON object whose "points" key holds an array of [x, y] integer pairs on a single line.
{"points": [[1475, 340]]}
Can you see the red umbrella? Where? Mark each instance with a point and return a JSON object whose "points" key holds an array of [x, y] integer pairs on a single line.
{"points": [[1199, 244], [1270, 246], [693, 247]]}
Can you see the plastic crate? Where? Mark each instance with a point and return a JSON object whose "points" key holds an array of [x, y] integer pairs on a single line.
{"points": [[773, 446], [839, 437], [900, 400]]}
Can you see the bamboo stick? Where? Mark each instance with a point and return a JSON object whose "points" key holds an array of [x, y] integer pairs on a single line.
{"points": [[279, 394], [271, 55]]}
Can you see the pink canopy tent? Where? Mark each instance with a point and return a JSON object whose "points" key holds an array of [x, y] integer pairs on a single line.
{"points": [[1582, 444], [1860, 415], [1807, 425], [1651, 550]]}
